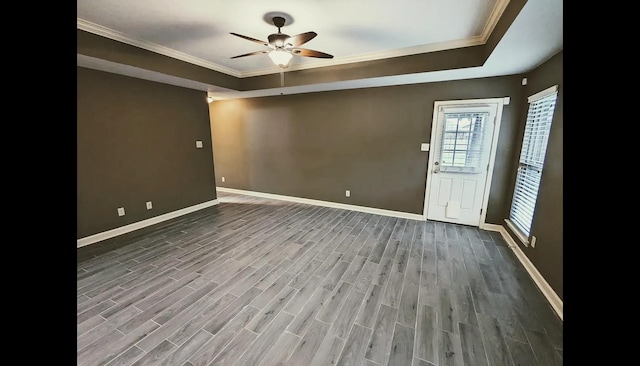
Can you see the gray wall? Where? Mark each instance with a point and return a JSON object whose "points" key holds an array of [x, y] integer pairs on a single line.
{"points": [[547, 224], [318, 145], [367, 140], [136, 143]]}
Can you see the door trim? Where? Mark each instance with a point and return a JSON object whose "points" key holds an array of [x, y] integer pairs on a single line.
{"points": [[499, 102]]}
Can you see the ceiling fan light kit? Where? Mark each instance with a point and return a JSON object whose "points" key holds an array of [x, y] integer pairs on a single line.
{"points": [[282, 47], [280, 57]]}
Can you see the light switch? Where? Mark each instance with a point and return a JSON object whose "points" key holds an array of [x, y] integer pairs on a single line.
{"points": [[506, 100], [199, 144], [424, 147]]}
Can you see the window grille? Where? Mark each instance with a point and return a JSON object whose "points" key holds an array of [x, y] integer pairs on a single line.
{"points": [[461, 144]]}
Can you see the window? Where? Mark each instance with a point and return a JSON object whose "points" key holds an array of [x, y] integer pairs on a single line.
{"points": [[462, 142], [534, 147]]}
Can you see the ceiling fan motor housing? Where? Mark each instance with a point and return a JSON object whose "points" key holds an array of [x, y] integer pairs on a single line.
{"points": [[278, 39]]}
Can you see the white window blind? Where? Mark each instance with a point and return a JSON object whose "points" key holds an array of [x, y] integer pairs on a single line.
{"points": [[534, 147]]}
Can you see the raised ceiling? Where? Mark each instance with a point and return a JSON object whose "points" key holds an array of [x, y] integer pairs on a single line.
{"points": [[374, 42]]}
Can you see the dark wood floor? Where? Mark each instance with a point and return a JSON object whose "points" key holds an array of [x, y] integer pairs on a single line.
{"points": [[253, 281]]}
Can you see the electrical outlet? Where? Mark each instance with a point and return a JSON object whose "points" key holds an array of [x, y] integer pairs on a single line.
{"points": [[120, 211], [347, 193], [149, 205], [199, 144], [222, 179], [533, 242]]}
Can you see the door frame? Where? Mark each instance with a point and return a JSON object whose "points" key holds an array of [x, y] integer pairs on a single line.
{"points": [[499, 102]]}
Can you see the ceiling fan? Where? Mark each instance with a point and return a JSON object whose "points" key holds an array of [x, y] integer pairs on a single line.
{"points": [[282, 46]]}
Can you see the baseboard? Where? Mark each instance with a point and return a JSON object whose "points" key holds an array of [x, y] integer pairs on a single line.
{"points": [[344, 206], [144, 223], [490, 227], [542, 284]]}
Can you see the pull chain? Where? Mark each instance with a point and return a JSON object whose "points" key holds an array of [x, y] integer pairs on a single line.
{"points": [[281, 80]]}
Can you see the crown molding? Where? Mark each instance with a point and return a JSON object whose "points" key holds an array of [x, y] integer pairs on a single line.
{"points": [[494, 17], [118, 36], [373, 56]]}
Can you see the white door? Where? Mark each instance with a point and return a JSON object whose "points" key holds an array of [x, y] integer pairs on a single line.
{"points": [[463, 139]]}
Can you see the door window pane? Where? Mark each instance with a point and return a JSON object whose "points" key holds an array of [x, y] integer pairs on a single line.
{"points": [[462, 142]]}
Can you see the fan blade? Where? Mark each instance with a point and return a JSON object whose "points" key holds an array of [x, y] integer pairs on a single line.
{"points": [[310, 53], [301, 39], [251, 39], [250, 54]]}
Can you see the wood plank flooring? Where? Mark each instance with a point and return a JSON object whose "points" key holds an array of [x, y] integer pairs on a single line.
{"points": [[253, 281]]}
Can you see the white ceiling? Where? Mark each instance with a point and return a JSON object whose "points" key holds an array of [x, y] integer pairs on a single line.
{"points": [[198, 31]]}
